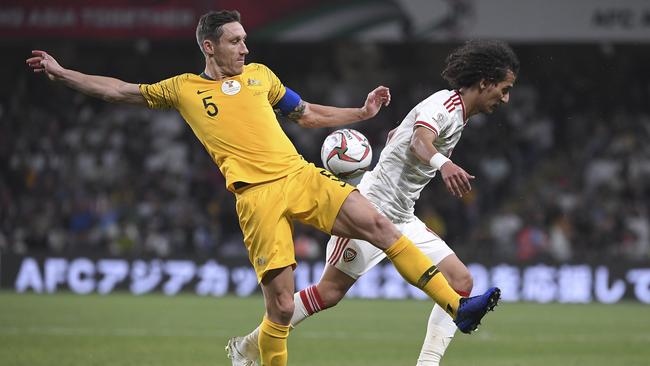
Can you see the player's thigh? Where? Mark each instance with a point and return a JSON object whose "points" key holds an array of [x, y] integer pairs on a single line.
{"points": [[353, 257], [315, 196], [266, 228], [359, 219]]}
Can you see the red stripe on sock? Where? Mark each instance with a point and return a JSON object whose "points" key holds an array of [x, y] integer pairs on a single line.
{"points": [[312, 300], [317, 299], [305, 302], [462, 293]]}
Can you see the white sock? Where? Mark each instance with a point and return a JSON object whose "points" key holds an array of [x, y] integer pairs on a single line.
{"points": [[249, 346], [440, 331], [307, 302]]}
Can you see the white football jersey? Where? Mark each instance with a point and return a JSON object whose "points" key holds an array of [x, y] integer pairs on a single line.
{"points": [[395, 183]]}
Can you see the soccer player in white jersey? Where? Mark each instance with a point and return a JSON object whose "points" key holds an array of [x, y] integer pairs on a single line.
{"points": [[480, 74]]}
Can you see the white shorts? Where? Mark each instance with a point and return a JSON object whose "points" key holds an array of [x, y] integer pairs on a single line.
{"points": [[355, 257]]}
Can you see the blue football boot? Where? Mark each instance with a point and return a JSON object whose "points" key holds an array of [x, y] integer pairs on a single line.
{"points": [[472, 309]]}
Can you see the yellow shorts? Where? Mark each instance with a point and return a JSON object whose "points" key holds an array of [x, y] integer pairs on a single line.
{"points": [[311, 195]]}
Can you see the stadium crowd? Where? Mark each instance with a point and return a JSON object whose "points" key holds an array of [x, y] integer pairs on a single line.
{"points": [[561, 171]]}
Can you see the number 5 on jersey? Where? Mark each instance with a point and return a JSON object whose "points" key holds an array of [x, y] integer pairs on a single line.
{"points": [[210, 108]]}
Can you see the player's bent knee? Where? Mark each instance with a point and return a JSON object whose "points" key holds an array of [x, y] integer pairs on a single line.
{"points": [[382, 231], [382, 223], [283, 308], [332, 292], [457, 274], [463, 282], [332, 297]]}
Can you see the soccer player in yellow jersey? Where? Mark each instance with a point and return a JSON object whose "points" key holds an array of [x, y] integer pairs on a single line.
{"points": [[230, 107]]}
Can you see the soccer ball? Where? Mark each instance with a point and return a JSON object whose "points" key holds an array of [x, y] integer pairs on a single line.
{"points": [[346, 153]]}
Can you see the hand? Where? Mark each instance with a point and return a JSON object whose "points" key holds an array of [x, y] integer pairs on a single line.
{"points": [[456, 179], [43, 62], [374, 101]]}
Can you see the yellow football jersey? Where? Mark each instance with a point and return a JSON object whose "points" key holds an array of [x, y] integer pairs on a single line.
{"points": [[234, 119]]}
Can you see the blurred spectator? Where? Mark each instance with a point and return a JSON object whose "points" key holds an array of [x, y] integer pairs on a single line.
{"points": [[532, 239], [559, 241], [504, 225], [307, 247]]}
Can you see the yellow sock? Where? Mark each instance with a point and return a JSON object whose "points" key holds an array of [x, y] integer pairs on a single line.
{"points": [[419, 271], [273, 343]]}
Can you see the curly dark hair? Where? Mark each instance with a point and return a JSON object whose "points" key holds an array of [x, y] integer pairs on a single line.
{"points": [[211, 25], [478, 60]]}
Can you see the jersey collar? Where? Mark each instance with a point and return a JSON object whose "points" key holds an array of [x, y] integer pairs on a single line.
{"points": [[205, 76], [462, 105]]}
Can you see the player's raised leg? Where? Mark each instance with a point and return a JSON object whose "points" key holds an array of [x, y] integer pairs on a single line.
{"points": [[359, 219]]}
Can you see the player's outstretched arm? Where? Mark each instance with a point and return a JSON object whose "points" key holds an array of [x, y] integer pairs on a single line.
{"points": [[315, 115], [108, 89], [456, 178]]}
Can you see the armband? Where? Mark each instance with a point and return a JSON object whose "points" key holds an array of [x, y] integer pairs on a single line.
{"points": [[438, 160], [289, 102]]}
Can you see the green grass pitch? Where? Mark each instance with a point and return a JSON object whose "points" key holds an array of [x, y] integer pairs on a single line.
{"points": [[187, 330]]}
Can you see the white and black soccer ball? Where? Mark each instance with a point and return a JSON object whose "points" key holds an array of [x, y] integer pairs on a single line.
{"points": [[346, 153]]}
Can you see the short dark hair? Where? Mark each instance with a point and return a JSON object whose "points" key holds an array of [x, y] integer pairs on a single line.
{"points": [[478, 60], [211, 25]]}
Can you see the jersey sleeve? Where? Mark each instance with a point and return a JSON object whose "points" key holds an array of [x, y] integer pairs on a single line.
{"points": [[163, 94], [276, 90], [432, 116]]}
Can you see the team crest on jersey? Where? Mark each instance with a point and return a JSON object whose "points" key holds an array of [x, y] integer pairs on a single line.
{"points": [[349, 254], [261, 261], [253, 82], [230, 87]]}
